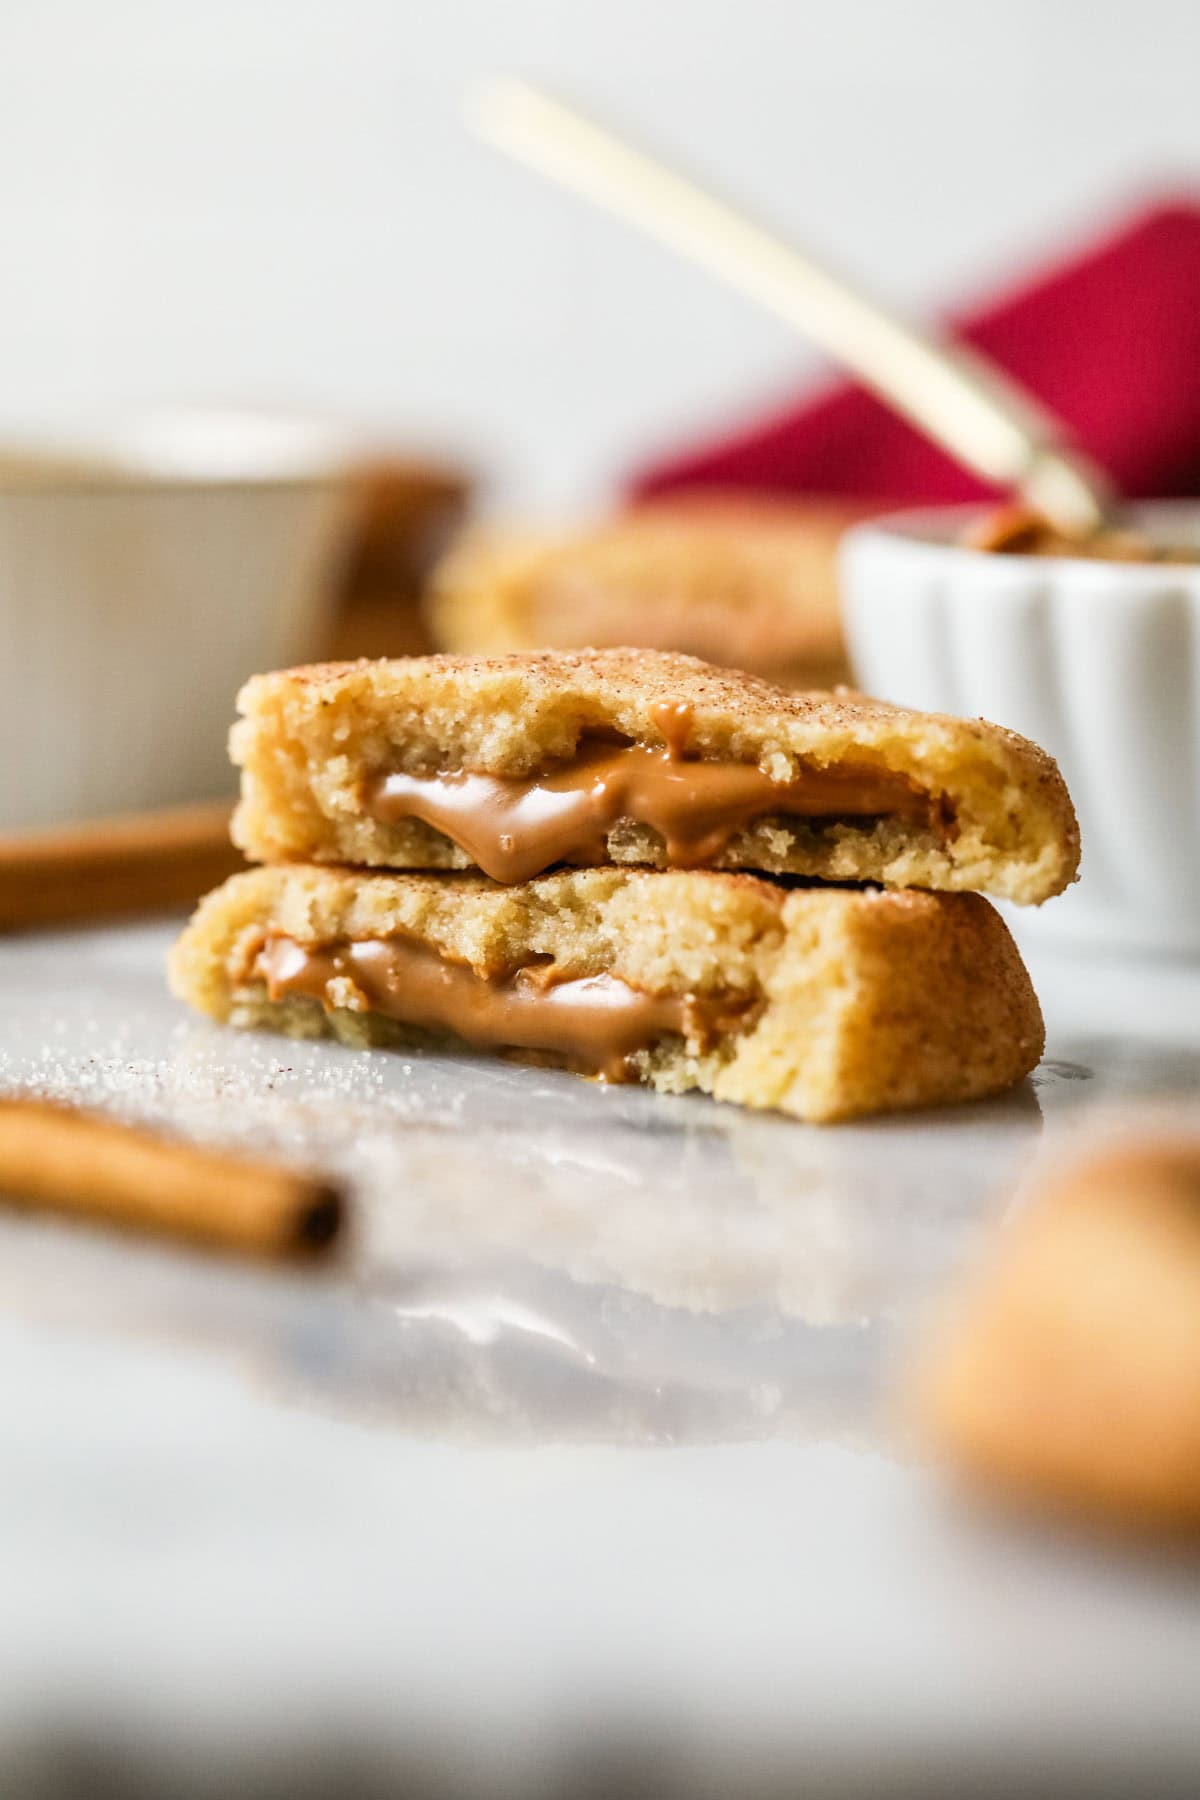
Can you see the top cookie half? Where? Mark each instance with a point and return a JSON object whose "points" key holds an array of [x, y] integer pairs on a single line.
{"points": [[515, 764]]}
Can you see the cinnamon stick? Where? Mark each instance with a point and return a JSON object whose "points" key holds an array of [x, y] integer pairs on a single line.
{"points": [[68, 1160], [140, 862]]}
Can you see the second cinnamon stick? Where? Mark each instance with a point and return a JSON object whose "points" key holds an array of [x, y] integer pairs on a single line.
{"points": [[68, 1160], [108, 868]]}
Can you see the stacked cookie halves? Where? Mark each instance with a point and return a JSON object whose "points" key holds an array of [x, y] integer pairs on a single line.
{"points": [[635, 865]]}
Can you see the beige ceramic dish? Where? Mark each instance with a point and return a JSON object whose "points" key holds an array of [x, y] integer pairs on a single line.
{"points": [[143, 574]]}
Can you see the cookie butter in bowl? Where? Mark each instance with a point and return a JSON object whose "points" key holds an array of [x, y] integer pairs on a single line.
{"points": [[1090, 649]]}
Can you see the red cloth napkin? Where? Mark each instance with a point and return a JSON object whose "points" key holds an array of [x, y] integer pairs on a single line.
{"points": [[1109, 340]]}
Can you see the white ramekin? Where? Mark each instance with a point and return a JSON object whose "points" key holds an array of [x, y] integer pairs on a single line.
{"points": [[1098, 662], [144, 573]]}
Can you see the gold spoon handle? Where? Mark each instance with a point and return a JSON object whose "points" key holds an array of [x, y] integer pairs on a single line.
{"points": [[955, 396]]}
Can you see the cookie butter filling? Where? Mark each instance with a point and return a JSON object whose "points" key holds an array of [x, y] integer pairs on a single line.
{"points": [[514, 828], [595, 1023]]}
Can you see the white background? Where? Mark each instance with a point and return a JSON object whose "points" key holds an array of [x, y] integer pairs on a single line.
{"points": [[276, 201]]}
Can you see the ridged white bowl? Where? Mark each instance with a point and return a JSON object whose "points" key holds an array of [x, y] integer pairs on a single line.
{"points": [[1098, 662], [143, 576]]}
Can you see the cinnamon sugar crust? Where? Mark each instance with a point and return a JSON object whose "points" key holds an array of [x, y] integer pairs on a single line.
{"points": [[309, 740]]}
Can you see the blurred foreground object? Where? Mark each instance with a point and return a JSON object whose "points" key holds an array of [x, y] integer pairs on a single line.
{"points": [[112, 868], [402, 515], [61, 1159], [1108, 340], [1068, 1378], [748, 584]]}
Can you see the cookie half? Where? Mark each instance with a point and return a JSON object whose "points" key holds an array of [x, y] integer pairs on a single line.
{"points": [[819, 1002], [517, 764]]}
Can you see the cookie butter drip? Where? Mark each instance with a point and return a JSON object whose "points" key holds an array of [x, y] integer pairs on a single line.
{"points": [[595, 1023], [513, 828], [1019, 531]]}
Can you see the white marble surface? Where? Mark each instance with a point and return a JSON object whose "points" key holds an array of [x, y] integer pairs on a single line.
{"points": [[583, 1450]]}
